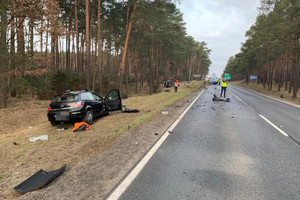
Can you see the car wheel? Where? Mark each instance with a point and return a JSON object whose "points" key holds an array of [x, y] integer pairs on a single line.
{"points": [[88, 117]]}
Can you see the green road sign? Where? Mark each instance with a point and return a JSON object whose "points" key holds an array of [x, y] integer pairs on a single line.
{"points": [[227, 76]]}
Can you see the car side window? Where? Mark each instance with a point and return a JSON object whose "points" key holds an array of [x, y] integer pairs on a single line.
{"points": [[89, 96], [113, 95], [84, 96], [96, 97]]}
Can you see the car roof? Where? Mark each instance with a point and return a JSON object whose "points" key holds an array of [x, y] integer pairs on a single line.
{"points": [[74, 92]]}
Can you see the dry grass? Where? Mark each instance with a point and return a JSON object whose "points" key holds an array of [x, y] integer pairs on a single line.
{"points": [[274, 93], [20, 158]]}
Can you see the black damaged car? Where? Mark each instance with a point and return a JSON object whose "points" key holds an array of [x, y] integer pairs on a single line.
{"points": [[82, 106]]}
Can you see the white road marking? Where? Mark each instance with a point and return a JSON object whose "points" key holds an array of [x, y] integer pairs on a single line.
{"points": [[133, 174], [278, 129], [237, 97]]}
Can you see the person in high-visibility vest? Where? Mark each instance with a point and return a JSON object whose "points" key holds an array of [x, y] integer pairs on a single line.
{"points": [[223, 87], [176, 84], [219, 81]]}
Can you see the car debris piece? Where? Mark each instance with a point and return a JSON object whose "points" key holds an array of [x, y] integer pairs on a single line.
{"points": [[165, 112], [38, 180], [81, 126], [41, 137], [128, 110], [215, 98], [62, 129]]}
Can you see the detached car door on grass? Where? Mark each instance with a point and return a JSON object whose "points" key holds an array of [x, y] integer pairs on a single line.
{"points": [[113, 100]]}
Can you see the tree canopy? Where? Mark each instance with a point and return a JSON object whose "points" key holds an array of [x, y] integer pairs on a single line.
{"points": [[50, 46], [271, 50]]}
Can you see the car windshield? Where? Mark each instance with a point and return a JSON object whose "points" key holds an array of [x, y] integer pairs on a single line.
{"points": [[65, 98]]}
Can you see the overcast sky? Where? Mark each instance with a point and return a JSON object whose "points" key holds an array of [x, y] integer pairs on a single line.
{"points": [[222, 24]]}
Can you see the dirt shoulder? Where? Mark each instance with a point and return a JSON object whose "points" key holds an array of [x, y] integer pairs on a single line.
{"points": [[94, 178], [281, 95]]}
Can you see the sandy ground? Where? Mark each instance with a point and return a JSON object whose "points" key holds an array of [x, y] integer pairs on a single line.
{"points": [[93, 178]]}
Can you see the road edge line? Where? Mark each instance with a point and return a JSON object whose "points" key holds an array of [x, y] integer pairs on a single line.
{"points": [[121, 188]]}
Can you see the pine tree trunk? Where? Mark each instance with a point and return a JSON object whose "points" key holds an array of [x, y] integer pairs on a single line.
{"points": [[56, 53], [136, 58], [31, 26], [68, 47], [13, 92], [128, 31], [88, 44], [157, 72], [41, 37], [127, 74], [151, 67], [99, 58], [77, 37], [3, 58]]}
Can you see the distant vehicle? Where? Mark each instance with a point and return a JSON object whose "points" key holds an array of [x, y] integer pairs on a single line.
{"points": [[82, 106], [168, 83], [213, 79]]}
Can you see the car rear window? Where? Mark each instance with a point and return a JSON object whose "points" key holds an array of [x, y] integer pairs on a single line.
{"points": [[65, 98]]}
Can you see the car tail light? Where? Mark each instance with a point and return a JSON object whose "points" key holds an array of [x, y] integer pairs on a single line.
{"points": [[79, 104], [49, 108]]}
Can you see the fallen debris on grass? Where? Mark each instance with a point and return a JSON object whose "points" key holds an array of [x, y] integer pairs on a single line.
{"points": [[81, 126], [41, 137], [127, 110], [62, 129], [165, 112], [38, 180]]}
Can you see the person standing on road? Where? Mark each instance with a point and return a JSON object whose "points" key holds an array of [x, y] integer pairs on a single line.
{"points": [[176, 84], [223, 87]]}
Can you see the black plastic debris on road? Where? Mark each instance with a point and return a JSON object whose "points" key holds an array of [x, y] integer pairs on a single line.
{"points": [[215, 98], [38, 180]]}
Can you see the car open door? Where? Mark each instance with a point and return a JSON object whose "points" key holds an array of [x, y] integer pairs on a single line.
{"points": [[113, 100]]}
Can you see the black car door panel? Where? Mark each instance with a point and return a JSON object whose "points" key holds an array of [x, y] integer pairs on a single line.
{"points": [[113, 100]]}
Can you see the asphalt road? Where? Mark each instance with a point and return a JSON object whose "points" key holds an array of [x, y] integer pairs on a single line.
{"points": [[226, 150]]}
